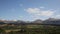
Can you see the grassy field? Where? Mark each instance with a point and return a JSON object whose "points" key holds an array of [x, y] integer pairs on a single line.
{"points": [[30, 29]]}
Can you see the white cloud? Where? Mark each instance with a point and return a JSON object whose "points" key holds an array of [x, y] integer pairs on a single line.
{"points": [[33, 10], [47, 13], [37, 11], [57, 16]]}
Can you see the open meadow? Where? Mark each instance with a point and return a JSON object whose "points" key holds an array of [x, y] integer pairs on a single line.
{"points": [[30, 29]]}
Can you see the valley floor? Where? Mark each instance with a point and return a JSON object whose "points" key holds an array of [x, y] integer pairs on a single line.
{"points": [[30, 29]]}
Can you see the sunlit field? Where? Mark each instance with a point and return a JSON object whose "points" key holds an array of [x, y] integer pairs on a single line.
{"points": [[30, 29]]}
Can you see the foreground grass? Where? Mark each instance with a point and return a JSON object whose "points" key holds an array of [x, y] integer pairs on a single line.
{"points": [[31, 29]]}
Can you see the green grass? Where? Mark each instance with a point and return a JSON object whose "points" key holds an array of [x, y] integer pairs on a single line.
{"points": [[32, 29]]}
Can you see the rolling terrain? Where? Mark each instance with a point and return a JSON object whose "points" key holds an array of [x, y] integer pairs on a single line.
{"points": [[49, 26]]}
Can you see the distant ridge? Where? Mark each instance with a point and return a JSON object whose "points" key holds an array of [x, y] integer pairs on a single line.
{"points": [[49, 21]]}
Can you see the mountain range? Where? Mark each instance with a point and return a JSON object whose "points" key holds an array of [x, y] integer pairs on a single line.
{"points": [[50, 21]]}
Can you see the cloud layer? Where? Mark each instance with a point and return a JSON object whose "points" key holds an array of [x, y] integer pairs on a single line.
{"points": [[37, 11]]}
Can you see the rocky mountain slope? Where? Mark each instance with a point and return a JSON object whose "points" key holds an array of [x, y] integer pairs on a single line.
{"points": [[38, 21]]}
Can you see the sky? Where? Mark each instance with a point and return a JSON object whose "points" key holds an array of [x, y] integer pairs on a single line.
{"points": [[29, 10]]}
